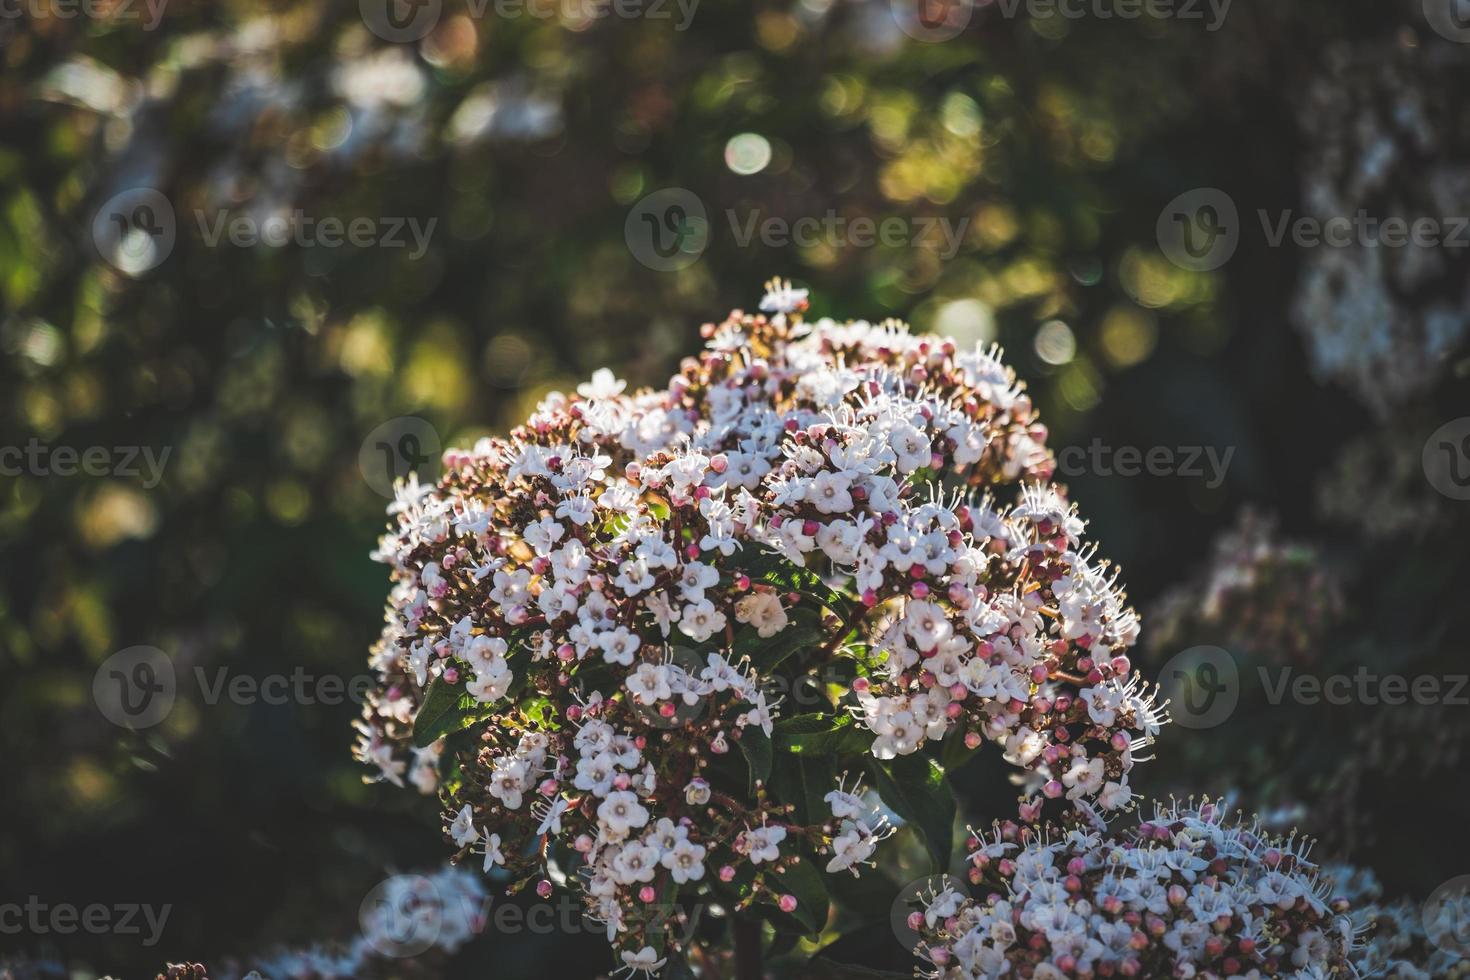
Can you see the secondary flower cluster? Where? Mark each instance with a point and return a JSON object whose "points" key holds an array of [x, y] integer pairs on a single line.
{"points": [[1185, 894], [589, 616]]}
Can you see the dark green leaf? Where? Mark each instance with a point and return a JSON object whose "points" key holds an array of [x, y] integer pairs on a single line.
{"points": [[828, 735], [756, 748], [914, 787], [446, 709], [804, 881]]}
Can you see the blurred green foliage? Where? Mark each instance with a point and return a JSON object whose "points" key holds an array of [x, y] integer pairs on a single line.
{"points": [[528, 140]]}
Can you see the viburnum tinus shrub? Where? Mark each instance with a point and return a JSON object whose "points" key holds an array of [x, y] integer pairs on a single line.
{"points": [[1187, 893], [674, 646]]}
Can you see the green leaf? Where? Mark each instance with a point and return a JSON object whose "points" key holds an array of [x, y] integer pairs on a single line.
{"points": [[804, 781], [915, 788], [818, 734], [804, 881], [446, 710], [756, 748], [802, 632]]}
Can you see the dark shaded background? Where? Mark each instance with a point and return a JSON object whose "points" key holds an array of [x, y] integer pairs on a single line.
{"points": [[263, 370]]}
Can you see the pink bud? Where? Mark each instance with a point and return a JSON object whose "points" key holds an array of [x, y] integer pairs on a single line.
{"points": [[646, 894], [543, 888], [1052, 789], [972, 740], [920, 590], [787, 903], [667, 709], [727, 873], [870, 598], [451, 675], [954, 710], [718, 462]]}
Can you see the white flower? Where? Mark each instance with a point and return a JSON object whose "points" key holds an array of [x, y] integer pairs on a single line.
{"points": [[621, 812], [463, 828], [701, 620], [604, 384], [763, 843], [764, 611], [493, 856], [644, 961], [685, 861]]}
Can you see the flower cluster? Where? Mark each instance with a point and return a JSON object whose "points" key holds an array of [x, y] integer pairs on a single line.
{"points": [[589, 616], [1185, 894], [1396, 943], [408, 925]]}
